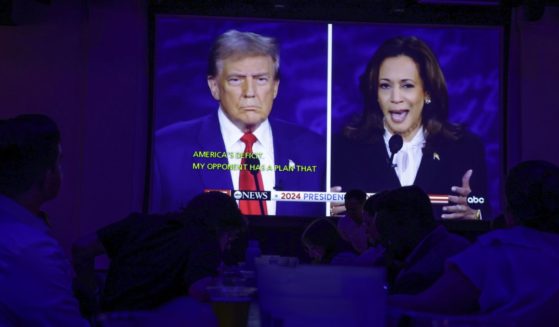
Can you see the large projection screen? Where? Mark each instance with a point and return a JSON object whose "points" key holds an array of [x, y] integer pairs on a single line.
{"points": [[321, 64]]}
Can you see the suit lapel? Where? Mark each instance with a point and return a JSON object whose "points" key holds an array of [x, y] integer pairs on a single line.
{"points": [[281, 150], [285, 151], [429, 168], [284, 181], [210, 139], [386, 175]]}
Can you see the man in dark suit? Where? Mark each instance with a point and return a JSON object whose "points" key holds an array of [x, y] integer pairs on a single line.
{"points": [[208, 152]]}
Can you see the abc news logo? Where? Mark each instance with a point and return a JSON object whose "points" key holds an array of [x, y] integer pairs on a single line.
{"points": [[252, 195], [475, 200]]}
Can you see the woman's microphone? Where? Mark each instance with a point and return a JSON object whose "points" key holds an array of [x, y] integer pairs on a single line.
{"points": [[394, 144]]}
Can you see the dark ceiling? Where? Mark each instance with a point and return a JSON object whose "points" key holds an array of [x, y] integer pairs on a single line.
{"points": [[474, 12]]}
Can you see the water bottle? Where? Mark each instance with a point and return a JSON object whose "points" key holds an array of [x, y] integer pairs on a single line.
{"points": [[252, 252]]}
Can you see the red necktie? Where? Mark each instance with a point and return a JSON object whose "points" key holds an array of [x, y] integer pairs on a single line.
{"points": [[247, 182]]}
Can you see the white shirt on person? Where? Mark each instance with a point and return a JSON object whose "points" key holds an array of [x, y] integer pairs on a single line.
{"points": [[516, 271], [264, 145], [408, 159], [35, 275]]}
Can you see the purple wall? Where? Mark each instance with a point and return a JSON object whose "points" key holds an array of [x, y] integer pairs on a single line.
{"points": [[536, 104], [85, 64]]}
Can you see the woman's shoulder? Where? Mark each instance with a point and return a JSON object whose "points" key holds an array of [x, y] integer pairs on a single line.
{"points": [[458, 140]]}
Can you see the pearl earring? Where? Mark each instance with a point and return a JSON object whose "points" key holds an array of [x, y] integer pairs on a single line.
{"points": [[427, 100]]}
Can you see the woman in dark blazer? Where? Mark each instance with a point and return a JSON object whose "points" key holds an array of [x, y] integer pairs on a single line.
{"points": [[405, 95]]}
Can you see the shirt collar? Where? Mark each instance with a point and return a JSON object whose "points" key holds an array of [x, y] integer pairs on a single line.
{"points": [[232, 134], [417, 140], [10, 209]]}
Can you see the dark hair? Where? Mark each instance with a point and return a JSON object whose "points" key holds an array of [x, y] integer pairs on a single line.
{"points": [[236, 45], [356, 194], [28, 149], [370, 206], [407, 203], [532, 194], [369, 125], [324, 233], [215, 211]]}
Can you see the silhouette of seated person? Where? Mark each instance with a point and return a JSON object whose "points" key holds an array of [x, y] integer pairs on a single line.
{"points": [[155, 258], [373, 255], [322, 242], [507, 272], [416, 247], [35, 274], [350, 226]]}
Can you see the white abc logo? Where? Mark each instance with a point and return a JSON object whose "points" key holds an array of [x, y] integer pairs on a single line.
{"points": [[237, 195], [475, 199]]}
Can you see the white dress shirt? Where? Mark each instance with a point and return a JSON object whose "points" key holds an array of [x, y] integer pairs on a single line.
{"points": [[515, 271], [264, 145], [408, 159]]}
